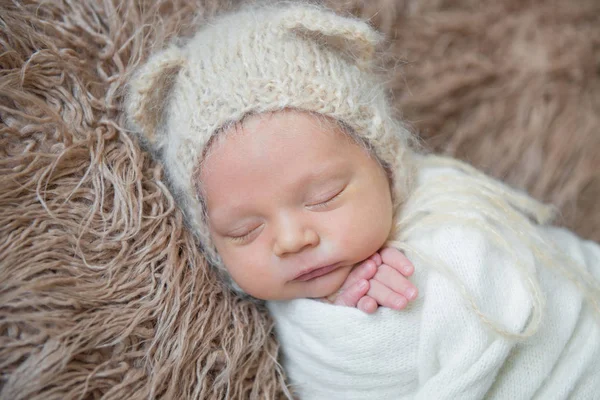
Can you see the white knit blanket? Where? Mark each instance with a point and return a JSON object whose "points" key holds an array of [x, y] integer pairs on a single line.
{"points": [[439, 348]]}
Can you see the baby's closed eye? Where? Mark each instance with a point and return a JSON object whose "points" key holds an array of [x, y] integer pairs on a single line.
{"points": [[326, 199], [245, 234]]}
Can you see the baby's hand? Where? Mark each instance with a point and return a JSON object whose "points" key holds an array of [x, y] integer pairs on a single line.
{"points": [[381, 280]]}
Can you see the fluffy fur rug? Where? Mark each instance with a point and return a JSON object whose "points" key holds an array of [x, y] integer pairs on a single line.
{"points": [[103, 293]]}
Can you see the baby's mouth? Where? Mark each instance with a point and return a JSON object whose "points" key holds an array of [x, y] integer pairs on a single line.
{"points": [[315, 273]]}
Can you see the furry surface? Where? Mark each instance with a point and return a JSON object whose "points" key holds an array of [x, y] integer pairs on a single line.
{"points": [[103, 293]]}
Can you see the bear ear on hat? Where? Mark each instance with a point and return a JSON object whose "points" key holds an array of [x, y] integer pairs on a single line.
{"points": [[351, 37], [148, 91]]}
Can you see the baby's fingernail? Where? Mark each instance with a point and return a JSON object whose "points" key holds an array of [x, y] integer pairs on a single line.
{"points": [[411, 293], [400, 303], [362, 284]]}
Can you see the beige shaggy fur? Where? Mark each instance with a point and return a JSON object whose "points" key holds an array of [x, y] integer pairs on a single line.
{"points": [[103, 293]]}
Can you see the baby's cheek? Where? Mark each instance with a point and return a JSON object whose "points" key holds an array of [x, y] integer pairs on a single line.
{"points": [[232, 260], [358, 242], [371, 233]]}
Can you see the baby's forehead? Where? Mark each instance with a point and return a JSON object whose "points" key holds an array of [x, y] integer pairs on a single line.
{"points": [[293, 125], [276, 142]]}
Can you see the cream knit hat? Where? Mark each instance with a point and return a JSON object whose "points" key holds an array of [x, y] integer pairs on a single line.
{"points": [[263, 59]]}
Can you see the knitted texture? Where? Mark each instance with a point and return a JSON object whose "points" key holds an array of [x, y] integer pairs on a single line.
{"points": [[258, 60]]}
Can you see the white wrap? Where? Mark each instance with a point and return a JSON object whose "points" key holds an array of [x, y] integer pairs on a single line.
{"points": [[439, 348]]}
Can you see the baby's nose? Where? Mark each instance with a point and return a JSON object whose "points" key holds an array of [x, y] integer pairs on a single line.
{"points": [[293, 237]]}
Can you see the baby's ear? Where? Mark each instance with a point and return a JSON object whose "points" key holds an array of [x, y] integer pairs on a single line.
{"points": [[352, 37], [148, 91]]}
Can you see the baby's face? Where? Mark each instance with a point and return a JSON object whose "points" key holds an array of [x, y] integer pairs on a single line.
{"points": [[293, 204]]}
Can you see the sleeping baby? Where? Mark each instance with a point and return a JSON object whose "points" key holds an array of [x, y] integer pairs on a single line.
{"points": [[304, 191]]}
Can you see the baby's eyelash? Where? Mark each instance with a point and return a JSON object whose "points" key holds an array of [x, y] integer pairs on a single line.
{"points": [[244, 237], [239, 239], [326, 202]]}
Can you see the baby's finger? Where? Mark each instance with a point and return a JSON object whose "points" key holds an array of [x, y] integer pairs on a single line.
{"points": [[385, 296], [396, 259], [395, 281], [376, 258], [366, 270], [367, 305], [351, 296]]}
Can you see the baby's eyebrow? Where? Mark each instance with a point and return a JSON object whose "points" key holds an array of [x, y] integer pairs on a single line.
{"points": [[226, 221], [327, 183], [325, 172], [226, 213]]}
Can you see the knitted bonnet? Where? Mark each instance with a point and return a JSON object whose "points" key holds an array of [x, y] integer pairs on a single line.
{"points": [[262, 59]]}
